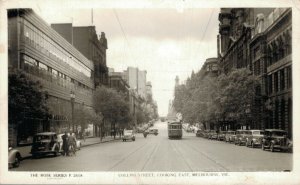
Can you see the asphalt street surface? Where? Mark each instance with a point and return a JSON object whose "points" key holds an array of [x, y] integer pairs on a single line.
{"points": [[158, 153]]}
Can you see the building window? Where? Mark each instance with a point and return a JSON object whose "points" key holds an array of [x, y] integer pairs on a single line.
{"points": [[282, 81], [289, 77], [276, 82], [257, 68]]}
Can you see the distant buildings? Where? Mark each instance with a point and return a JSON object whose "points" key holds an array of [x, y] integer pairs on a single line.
{"points": [[136, 80]]}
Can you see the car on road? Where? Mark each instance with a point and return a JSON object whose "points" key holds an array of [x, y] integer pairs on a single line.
{"points": [[221, 136], [240, 138], [60, 141], [212, 134], [275, 139], [230, 136], [14, 157], [254, 138], [128, 135], [153, 131], [45, 143]]}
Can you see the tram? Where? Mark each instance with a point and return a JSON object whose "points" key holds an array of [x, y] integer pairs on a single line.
{"points": [[175, 130]]}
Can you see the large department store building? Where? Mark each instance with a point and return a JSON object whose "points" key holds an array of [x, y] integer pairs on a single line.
{"points": [[44, 55]]}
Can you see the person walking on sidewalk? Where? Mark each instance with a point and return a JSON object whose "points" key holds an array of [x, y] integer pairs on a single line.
{"points": [[72, 143], [65, 139]]}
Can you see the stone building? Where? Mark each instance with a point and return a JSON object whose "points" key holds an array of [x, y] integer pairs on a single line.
{"points": [[271, 57], [260, 39], [44, 55]]}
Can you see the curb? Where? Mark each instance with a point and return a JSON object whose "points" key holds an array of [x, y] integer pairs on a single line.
{"points": [[99, 142]]}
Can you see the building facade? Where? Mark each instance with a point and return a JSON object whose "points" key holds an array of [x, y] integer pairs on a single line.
{"points": [[44, 55], [136, 80], [85, 40], [260, 39]]}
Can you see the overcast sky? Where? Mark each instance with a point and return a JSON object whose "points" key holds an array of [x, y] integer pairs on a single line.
{"points": [[165, 42]]}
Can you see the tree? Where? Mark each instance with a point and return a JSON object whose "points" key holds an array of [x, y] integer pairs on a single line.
{"points": [[25, 99], [112, 105], [236, 95]]}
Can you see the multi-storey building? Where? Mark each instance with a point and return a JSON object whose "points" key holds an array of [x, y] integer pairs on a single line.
{"points": [[85, 40], [271, 57], [44, 55], [260, 39], [136, 80]]}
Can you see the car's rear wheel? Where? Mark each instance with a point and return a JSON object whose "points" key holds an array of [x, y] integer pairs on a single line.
{"points": [[17, 161]]}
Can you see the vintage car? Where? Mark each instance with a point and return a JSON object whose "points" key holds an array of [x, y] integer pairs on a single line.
{"points": [[240, 138], [229, 136], [128, 135], [206, 133], [212, 134], [60, 141], [14, 157], [45, 143], [199, 133], [254, 138], [153, 131], [275, 139], [221, 136]]}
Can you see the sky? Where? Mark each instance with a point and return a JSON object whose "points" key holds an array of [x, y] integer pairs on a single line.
{"points": [[165, 42]]}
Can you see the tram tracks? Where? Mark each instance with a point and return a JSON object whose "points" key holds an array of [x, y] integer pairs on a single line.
{"points": [[181, 155], [126, 157], [208, 157]]}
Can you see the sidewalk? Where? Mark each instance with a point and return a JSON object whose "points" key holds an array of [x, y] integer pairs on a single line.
{"points": [[25, 150]]}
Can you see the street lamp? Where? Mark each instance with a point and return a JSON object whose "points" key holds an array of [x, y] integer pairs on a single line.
{"points": [[72, 96]]}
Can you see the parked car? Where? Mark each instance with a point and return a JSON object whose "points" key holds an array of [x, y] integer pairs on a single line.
{"points": [[153, 131], [128, 135], [212, 134], [254, 138], [221, 136], [240, 138], [45, 143], [275, 139], [14, 158], [206, 133], [230, 136], [199, 133], [60, 141]]}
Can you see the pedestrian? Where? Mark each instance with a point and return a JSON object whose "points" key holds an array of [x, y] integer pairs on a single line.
{"points": [[65, 139], [72, 143]]}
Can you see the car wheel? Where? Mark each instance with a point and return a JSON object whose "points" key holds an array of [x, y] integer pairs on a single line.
{"points": [[56, 152], [272, 147], [262, 146], [17, 161]]}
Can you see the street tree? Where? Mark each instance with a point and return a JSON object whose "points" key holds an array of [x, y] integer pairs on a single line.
{"points": [[26, 99], [113, 106]]}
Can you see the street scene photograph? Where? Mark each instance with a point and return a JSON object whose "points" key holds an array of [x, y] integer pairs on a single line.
{"points": [[149, 89]]}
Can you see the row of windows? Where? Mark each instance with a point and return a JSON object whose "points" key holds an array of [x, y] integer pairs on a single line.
{"points": [[42, 40], [281, 115], [279, 48], [280, 80], [37, 68]]}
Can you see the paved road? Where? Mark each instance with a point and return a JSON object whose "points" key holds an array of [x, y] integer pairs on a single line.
{"points": [[158, 153]]}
